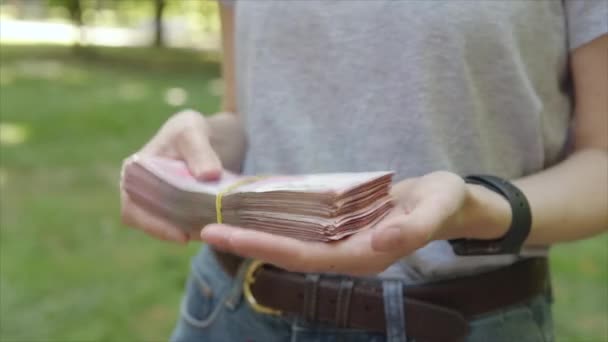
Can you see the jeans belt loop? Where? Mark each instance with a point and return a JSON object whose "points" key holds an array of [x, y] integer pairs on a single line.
{"points": [[392, 292], [343, 303], [236, 291], [309, 309]]}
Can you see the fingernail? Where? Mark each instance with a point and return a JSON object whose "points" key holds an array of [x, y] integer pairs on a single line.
{"points": [[209, 174], [212, 234]]}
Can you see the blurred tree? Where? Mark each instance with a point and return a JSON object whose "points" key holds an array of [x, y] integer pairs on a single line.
{"points": [[165, 22], [210, 15], [159, 8], [32, 9], [75, 10]]}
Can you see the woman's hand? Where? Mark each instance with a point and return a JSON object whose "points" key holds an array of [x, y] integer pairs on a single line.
{"points": [[436, 206], [185, 136]]}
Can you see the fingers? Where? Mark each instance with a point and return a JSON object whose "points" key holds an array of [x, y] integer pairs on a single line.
{"points": [[135, 216], [194, 148], [254, 244], [185, 136], [352, 256]]}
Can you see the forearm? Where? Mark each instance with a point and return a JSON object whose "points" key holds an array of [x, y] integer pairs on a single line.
{"points": [[568, 202], [228, 139], [227, 133]]}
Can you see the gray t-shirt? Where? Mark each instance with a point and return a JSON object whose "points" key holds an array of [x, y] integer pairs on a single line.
{"points": [[410, 86]]}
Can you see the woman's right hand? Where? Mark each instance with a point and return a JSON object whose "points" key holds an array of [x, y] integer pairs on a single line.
{"points": [[185, 136]]}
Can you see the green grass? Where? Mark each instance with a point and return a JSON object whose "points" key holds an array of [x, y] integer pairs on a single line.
{"points": [[69, 271]]}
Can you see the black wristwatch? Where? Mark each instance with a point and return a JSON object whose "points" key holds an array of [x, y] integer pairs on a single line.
{"points": [[521, 221]]}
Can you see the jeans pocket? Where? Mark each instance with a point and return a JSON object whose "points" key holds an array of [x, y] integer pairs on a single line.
{"points": [[540, 308], [517, 323], [204, 295], [520, 325]]}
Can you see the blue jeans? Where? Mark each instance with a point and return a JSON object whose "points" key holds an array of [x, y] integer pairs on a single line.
{"points": [[213, 309]]}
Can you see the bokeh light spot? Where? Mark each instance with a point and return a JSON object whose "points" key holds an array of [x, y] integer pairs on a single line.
{"points": [[40, 69], [131, 91], [216, 87], [3, 177], [176, 96], [12, 134], [7, 77]]}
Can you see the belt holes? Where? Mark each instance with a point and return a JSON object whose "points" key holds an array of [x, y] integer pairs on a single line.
{"points": [[300, 296], [367, 308]]}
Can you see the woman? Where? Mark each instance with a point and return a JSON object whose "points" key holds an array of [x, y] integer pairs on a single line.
{"points": [[513, 89]]}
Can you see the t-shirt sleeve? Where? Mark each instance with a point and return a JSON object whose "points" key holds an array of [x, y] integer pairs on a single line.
{"points": [[586, 20]]}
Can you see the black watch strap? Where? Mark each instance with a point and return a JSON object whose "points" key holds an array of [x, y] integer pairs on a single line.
{"points": [[521, 221]]}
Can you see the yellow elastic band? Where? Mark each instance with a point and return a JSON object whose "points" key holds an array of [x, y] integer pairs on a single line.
{"points": [[220, 194]]}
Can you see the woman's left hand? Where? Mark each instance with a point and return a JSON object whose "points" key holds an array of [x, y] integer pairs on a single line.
{"points": [[430, 207]]}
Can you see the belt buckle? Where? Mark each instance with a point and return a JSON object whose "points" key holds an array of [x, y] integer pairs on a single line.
{"points": [[250, 279]]}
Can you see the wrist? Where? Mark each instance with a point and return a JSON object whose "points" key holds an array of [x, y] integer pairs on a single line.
{"points": [[485, 215]]}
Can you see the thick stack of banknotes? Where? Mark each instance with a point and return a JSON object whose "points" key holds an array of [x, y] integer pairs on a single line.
{"points": [[317, 207]]}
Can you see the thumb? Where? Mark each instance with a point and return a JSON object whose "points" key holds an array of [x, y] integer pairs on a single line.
{"points": [[202, 161]]}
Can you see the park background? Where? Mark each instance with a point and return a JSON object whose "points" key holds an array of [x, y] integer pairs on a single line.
{"points": [[82, 85]]}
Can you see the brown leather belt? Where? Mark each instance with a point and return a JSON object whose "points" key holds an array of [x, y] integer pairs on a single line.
{"points": [[437, 311]]}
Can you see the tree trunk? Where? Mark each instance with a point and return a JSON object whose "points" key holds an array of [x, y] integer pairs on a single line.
{"points": [[159, 7], [75, 9]]}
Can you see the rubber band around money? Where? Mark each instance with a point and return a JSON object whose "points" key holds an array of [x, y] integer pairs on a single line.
{"points": [[220, 194]]}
